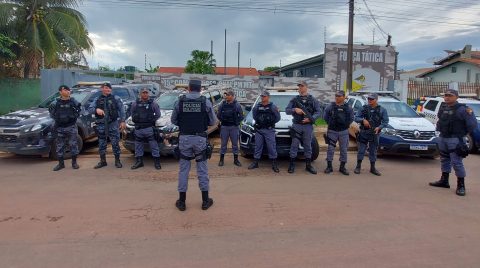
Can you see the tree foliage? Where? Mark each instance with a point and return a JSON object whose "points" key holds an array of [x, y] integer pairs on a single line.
{"points": [[271, 68], [202, 62]]}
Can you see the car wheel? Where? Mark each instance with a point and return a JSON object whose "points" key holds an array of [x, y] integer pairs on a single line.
{"points": [[471, 144], [67, 155], [315, 149]]}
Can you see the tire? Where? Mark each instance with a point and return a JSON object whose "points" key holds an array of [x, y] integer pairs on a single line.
{"points": [[245, 155], [67, 155], [315, 149], [471, 144]]}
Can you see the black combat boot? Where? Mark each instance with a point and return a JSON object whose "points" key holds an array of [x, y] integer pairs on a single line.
{"points": [[291, 166], [206, 201], [460, 186], [118, 164], [102, 163], [138, 162], [343, 170], [156, 161], [329, 168], [220, 163], [275, 166], [358, 168], [74, 162], [309, 167], [373, 170], [60, 164], [254, 164], [235, 161], [180, 204], [443, 182]]}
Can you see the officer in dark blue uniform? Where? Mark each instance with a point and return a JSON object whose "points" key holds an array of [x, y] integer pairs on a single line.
{"points": [[193, 113], [266, 115], [65, 111], [455, 121], [145, 113], [372, 118], [230, 115], [338, 115], [110, 118], [305, 109]]}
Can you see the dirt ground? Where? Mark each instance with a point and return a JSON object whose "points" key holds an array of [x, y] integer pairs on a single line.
{"points": [[123, 218]]}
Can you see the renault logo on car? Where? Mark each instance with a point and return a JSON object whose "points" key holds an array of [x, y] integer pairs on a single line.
{"points": [[416, 133]]}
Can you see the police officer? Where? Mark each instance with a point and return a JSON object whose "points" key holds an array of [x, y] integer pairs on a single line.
{"points": [[110, 118], [145, 113], [266, 115], [230, 115], [65, 111], [372, 118], [338, 115], [305, 110], [455, 120], [193, 114]]}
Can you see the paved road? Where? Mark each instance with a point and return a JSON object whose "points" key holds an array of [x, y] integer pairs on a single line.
{"points": [[122, 218]]}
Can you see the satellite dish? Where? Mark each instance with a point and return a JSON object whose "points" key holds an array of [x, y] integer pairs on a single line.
{"points": [[432, 60]]}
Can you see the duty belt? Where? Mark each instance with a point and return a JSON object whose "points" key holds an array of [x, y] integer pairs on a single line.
{"points": [[200, 134]]}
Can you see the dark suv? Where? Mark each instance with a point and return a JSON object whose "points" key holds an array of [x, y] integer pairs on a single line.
{"points": [[29, 131], [167, 130]]}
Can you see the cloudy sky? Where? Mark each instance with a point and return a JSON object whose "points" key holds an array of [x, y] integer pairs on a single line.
{"points": [[271, 31]]}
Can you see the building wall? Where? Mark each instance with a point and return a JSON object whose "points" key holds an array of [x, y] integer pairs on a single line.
{"points": [[309, 70], [18, 94], [446, 75]]}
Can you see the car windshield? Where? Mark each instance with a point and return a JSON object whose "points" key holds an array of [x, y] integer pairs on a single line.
{"points": [[398, 109], [78, 95], [167, 101], [281, 101]]}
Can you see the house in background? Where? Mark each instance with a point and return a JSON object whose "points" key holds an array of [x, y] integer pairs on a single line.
{"points": [[412, 74], [458, 66]]}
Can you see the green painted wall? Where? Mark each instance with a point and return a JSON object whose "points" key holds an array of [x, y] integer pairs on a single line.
{"points": [[16, 94]]}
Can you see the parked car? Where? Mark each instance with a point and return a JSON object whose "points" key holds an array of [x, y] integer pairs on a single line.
{"points": [[30, 131], [432, 105], [168, 131], [280, 97], [407, 133]]}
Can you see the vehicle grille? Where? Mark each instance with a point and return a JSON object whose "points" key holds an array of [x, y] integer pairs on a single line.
{"points": [[409, 135], [8, 138], [8, 122]]}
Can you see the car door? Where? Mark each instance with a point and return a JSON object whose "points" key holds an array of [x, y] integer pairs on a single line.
{"points": [[87, 118], [430, 110]]}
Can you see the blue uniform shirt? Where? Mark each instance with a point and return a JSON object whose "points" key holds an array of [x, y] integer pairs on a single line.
{"points": [[121, 110], [275, 110], [467, 114], [155, 107], [327, 114], [212, 119], [383, 115], [316, 109], [53, 105]]}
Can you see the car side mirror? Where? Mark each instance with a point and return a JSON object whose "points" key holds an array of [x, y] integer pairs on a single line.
{"points": [[248, 108]]}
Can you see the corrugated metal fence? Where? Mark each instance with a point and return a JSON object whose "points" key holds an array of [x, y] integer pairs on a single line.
{"points": [[417, 89], [16, 94]]}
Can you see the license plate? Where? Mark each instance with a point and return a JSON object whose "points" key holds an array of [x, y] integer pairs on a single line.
{"points": [[418, 148]]}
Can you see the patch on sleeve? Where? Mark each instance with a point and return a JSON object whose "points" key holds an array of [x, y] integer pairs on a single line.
{"points": [[469, 111]]}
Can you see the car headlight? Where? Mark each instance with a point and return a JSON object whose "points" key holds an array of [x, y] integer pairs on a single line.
{"points": [[247, 128], [129, 122], [33, 128], [389, 131]]}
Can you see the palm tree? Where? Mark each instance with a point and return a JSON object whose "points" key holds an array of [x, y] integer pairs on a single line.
{"points": [[202, 62], [46, 30]]}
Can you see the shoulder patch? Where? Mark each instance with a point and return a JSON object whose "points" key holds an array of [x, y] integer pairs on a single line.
{"points": [[469, 110]]}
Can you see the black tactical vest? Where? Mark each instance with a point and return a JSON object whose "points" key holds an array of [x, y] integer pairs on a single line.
{"points": [[192, 116], [339, 117], [372, 115], [109, 105], [228, 114], [449, 124], [143, 115], [308, 105], [265, 116], [66, 113]]}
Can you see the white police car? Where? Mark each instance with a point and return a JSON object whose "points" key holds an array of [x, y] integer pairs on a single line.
{"points": [[430, 109], [407, 132]]}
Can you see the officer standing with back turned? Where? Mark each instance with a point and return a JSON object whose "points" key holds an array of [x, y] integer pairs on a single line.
{"points": [[455, 121], [110, 118], [65, 111], [372, 118], [193, 113], [266, 115], [145, 113], [305, 109], [230, 115], [338, 115]]}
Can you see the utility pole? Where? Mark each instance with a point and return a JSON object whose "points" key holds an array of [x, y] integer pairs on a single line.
{"points": [[350, 46], [225, 55], [145, 61], [238, 66], [211, 53], [373, 38]]}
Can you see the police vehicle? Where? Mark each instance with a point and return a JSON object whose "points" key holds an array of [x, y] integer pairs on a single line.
{"points": [[167, 131], [432, 105], [280, 96], [30, 131], [407, 133]]}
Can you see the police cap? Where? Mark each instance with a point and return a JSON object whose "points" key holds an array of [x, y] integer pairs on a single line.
{"points": [[63, 87], [373, 96], [451, 92], [265, 93], [106, 84], [340, 93]]}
